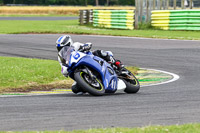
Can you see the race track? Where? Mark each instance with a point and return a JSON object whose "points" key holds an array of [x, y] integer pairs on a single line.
{"points": [[174, 103]]}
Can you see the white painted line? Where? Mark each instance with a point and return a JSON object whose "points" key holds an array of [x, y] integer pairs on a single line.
{"points": [[175, 77]]}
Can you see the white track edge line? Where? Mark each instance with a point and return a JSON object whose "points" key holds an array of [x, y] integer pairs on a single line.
{"points": [[175, 77]]}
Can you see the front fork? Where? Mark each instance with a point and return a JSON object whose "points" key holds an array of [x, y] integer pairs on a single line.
{"points": [[93, 77]]}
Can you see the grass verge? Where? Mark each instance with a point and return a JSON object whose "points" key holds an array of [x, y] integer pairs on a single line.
{"points": [[186, 128], [27, 74], [72, 26]]}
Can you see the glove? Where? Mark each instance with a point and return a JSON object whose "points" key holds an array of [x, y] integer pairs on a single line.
{"points": [[87, 46]]}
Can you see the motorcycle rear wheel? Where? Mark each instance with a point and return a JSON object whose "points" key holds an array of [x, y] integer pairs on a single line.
{"points": [[93, 87], [132, 85]]}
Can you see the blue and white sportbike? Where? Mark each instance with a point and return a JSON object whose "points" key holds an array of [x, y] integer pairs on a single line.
{"points": [[97, 77]]}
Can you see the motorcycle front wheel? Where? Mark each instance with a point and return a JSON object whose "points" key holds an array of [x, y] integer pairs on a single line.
{"points": [[92, 86]]}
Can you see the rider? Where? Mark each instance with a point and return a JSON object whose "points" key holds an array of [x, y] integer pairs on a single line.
{"points": [[64, 42]]}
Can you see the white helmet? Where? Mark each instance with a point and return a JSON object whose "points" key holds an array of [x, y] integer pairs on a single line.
{"points": [[63, 41]]}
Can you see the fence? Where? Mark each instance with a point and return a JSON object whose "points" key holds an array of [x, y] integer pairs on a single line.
{"points": [[120, 19], [144, 7], [147, 11], [176, 19]]}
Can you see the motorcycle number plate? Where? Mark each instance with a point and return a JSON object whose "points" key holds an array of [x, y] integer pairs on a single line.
{"points": [[76, 56]]}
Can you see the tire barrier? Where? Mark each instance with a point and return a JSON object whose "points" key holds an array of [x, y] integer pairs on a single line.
{"points": [[119, 19], [176, 19], [85, 17]]}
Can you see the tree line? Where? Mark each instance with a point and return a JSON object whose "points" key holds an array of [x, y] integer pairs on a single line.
{"points": [[69, 2]]}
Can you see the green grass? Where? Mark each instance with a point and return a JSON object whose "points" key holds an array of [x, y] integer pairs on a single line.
{"points": [[187, 128], [25, 74], [72, 26]]}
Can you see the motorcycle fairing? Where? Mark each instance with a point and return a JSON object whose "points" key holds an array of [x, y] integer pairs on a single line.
{"points": [[109, 78]]}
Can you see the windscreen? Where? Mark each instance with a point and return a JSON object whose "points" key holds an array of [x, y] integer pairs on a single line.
{"points": [[68, 53], [65, 54]]}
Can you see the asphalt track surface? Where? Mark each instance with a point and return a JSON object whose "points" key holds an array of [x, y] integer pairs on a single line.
{"points": [[38, 18], [173, 103]]}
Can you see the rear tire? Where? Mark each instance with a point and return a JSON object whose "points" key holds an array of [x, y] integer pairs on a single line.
{"points": [[95, 89], [132, 85]]}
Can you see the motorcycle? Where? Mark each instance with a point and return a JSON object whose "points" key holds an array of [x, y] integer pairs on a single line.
{"points": [[97, 77]]}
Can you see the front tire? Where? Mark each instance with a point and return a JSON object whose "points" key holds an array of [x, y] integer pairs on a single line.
{"points": [[94, 88]]}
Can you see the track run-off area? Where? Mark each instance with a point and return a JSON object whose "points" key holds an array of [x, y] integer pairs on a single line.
{"points": [[165, 104], [146, 77]]}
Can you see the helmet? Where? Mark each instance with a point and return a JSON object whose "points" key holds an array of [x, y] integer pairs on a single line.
{"points": [[63, 41]]}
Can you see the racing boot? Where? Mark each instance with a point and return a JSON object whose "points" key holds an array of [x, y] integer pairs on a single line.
{"points": [[77, 89], [120, 68]]}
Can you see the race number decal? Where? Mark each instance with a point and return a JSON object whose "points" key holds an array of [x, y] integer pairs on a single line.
{"points": [[76, 56]]}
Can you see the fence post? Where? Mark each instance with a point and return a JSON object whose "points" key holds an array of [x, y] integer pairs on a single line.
{"points": [[136, 15], [191, 4], [182, 4], [167, 4], [147, 11], [174, 4], [161, 3], [154, 4], [141, 10]]}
